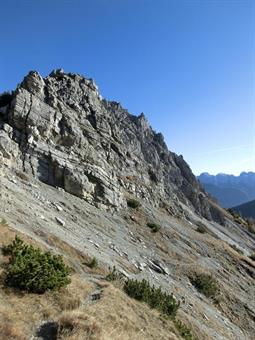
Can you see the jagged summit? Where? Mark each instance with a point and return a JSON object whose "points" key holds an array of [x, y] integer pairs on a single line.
{"points": [[61, 130]]}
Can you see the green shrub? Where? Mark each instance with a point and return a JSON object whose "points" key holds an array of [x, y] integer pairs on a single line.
{"points": [[153, 226], [5, 99], [3, 222], [32, 270], [13, 248], [114, 275], [201, 229], [184, 331], [154, 297], [205, 284], [132, 203], [93, 263]]}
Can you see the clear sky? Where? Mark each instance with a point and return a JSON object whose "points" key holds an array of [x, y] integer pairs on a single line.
{"points": [[187, 64]]}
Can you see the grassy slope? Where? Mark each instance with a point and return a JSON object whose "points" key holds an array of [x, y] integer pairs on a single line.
{"points": [[113, 316]]}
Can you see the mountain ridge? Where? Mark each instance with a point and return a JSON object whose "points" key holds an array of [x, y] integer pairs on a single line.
{"points": [[229, 190], [246, 210]]}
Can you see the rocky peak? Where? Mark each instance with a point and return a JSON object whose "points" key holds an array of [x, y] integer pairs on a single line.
{"points": [[64, 133], [33, 83]]}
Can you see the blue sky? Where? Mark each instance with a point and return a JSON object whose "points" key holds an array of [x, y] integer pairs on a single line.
{"points": [[187, 64]]}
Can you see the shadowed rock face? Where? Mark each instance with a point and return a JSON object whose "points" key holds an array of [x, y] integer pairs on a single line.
{"points": [[61, 130]]}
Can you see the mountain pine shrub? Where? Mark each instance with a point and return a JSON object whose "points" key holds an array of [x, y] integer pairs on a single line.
{"points": [[153, 226], [132, 203], [33, 270], [184, 331], [115, 275], [205, 284], [201, 229], [154, 297]]}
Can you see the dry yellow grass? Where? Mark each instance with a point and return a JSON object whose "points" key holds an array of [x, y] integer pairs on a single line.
{"points": [[77, 325], [122, 318], [21, 313], [24, 312], [113, 317]]}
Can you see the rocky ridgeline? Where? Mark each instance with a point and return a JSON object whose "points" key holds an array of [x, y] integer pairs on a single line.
{"points": [[61, 130]]}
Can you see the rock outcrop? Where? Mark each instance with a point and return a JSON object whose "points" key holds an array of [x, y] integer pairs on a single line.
{"points": [[61, 130]]}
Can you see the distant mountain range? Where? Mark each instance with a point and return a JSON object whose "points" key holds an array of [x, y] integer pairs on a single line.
{"points": [[229, 190], [246, 209]]}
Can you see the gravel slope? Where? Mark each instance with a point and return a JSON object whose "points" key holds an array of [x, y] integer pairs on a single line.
{"points": [[166, 258]]}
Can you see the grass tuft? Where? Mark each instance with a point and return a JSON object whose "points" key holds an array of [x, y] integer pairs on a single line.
{"points": [[93, 263]]}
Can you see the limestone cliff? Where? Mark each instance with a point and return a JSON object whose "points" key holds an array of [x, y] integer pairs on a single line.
{"points": [[61, 130]]}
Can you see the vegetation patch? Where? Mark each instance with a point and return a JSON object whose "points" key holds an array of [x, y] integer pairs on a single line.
{"points": [[154, 297], [132, 203], [3, 222], [154, 226], [114, 275], [32, 270], [93, 263], [201, 229], [78, 325], [205, 284], [184, 331]]}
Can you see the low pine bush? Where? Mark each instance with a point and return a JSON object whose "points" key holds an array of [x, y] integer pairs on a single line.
{"points": [[205, 284], [184, 331], [132, 203], [201, 229], [154, 297], [153, 226], [13, 248], [33, 270], [114, 275]]}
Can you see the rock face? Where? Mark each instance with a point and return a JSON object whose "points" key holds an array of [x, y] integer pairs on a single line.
{"points": [[61, 130]]}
